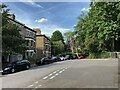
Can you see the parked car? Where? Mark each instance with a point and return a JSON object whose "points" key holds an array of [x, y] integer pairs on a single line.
{"points": [[16, 66], [56, 58], [44, 60], [82, 57], [62, 58], [68, 57], [74, 56]]}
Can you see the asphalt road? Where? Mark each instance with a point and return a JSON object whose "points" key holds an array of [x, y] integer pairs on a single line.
{"points": [[66, 74]]}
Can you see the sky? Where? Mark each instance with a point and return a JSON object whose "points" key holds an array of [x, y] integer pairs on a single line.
{"points": [[48, 16]]}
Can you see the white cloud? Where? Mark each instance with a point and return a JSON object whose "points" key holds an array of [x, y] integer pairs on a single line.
{"points": [[74, 25], [41, 20], [85, 9]]}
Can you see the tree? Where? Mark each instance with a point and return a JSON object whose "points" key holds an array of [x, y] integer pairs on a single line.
{"points": [[68, 44], [68, 36], [56, 36], [100, 28], [12, 42], [58, 45]]}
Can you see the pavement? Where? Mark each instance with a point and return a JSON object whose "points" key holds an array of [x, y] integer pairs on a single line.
{"points": [[67, 74]]}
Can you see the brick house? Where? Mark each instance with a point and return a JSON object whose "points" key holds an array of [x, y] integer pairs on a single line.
{"points": [[43, 45]]}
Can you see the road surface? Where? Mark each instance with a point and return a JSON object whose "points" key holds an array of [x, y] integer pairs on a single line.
{"points": [[66, 74]]}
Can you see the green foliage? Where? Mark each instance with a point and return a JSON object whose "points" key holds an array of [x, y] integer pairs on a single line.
{"points": [[12, 42], [68, 36], [32, 59], [66, 53], [102, 55], [57, 36], [57, 47], [57, 43], [99, 30]]}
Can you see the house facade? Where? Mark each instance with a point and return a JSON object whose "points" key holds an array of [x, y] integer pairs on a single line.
{"points": [[43, 45], [29, 35]]}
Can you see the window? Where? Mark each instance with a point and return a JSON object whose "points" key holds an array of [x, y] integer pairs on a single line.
{"points": [[31, 54]]}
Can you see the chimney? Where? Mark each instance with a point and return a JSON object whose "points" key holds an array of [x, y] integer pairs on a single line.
{"points": [[11, 16], [38, 31]]}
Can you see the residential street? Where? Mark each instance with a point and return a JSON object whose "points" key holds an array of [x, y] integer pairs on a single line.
{"points": [[67, 74]]}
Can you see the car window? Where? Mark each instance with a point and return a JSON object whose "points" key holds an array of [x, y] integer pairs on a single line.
{"points": [[24, 62], [18, 63], [67, 56], [42, 58], [13, 63]]}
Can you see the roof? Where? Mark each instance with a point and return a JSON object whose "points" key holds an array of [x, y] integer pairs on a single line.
{"points": [[43, 36], [22, 25]]}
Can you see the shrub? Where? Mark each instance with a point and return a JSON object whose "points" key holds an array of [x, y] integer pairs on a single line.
{"points": [[103, 55], [32, 59]]}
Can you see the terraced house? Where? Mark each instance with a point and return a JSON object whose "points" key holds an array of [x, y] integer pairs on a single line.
{"points": [[43, 45], [29, 35]]}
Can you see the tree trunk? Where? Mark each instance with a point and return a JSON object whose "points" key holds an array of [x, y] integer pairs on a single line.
{"points": [[113, 44]]}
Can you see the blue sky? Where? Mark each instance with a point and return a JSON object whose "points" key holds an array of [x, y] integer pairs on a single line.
{"points": [[48, 16]]}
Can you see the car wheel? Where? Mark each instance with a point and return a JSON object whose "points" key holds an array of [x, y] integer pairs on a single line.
{"points": [[27, 67], [13, 70]]}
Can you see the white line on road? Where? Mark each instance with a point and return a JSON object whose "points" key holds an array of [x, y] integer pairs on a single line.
{"points": [[45, 77], [63, 68], [50, 74], [56, 74], [60, 71], [39, 85], [36, 82], [30, 86], [52, 77]]}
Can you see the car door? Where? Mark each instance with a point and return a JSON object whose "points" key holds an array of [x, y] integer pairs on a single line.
{"points": [[23, 64], [18, 66]]}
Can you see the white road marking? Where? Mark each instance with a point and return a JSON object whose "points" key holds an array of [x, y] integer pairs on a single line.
{"points": [[39, 85], [50, 74], [52, 77], [30, 85], [56, 74], [60, 71], [36, 82], [45, 77]]}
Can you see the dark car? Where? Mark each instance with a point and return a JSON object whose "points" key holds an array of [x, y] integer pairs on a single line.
{"points": [[16, 66], [56, 58], [43, 61]]}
